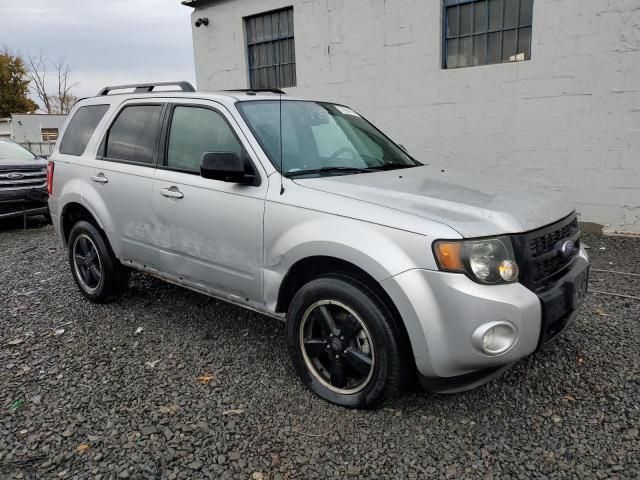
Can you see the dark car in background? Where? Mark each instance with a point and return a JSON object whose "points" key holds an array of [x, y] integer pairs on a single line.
{"points": [[23, 182]]}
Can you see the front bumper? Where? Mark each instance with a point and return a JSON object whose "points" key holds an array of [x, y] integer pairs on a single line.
{"points": [[442, 310], [19, 203]]}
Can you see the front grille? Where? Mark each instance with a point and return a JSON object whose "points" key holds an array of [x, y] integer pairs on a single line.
{"points": [[547, 268], [545, 243], [23, 179], [539, 258]]}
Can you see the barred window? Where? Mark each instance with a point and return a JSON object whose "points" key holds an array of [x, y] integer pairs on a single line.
{"points": [[482, 32], [49, 134], [271, 49]]}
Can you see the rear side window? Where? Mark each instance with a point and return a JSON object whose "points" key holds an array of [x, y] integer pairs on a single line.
{"points": [[80, 128], [134, 133]]}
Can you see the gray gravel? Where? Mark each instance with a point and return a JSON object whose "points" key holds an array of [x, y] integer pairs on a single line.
{"points": [[100, 401]]}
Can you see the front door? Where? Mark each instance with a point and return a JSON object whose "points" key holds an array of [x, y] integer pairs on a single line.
{"points": [[209, 232]]}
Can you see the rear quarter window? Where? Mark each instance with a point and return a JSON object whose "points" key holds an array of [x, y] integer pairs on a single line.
{"points": [[80, 128]]}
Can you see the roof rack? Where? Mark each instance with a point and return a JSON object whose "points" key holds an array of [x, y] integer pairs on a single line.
{"points": [[148, 87], [257, 90]]}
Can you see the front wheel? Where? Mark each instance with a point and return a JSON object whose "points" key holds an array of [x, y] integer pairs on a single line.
{"points": [[344, 344]]}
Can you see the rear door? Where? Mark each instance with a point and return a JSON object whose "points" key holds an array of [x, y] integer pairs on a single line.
{"points": [[210, 232], [122, 173]]}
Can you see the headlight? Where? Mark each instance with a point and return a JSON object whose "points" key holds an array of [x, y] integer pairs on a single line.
{"points": [[489, 260]]}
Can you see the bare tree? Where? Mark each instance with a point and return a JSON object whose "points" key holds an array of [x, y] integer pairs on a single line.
{"points": [[38, 73], [65, 98], [62, 100]]}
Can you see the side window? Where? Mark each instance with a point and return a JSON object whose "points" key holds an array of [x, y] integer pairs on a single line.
{"points": [[134, 133], [195, 131], [80, 128]]}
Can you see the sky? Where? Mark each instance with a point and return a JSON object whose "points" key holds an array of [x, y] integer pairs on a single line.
{"points": [[106, 42]]}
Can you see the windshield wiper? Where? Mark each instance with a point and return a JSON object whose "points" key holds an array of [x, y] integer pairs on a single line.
{"points": [[327, 170], [391, 166]]}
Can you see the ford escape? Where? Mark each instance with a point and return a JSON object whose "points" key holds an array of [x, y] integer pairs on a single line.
{"points": [[383, 267]]}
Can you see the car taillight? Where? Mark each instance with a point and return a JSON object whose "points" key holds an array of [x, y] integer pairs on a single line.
{"points": [[50, 166]]}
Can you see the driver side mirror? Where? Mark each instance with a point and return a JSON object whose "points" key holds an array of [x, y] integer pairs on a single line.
{"points": [[228, 167]]}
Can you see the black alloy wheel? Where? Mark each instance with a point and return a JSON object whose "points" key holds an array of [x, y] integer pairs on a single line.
{"points": [[87, 263], [99, 274], [345, 343], [337, 347]]}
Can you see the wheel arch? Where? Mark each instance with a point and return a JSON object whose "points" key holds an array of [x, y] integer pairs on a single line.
{"points": [[76, 196], [309, 268], [72, 213]]}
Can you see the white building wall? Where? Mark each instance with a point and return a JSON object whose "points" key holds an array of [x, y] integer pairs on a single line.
{"points": [[27, 126], [5, 128], [569, 117]]}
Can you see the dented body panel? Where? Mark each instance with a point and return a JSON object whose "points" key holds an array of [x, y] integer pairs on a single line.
{"points": [[474, 206], [303, 223]]}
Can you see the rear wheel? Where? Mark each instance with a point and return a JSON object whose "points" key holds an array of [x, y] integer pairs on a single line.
{"points": [[96, 270], [344, 344]]}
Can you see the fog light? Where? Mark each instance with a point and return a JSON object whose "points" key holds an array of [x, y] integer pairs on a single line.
{"points": [[494, 338]]}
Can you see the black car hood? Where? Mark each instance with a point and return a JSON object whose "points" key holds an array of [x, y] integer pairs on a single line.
{"points": [[33, 164]]}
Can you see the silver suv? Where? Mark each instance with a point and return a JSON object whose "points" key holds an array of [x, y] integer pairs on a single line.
{"points": [[383, 267]]}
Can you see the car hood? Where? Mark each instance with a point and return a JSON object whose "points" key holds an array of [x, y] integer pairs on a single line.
{"points": [[35, 163], [473, 204]]}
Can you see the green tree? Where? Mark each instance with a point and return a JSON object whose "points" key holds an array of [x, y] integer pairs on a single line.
{"points": [[14, 85]]}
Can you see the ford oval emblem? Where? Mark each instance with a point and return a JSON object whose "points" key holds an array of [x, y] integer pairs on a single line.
{"points": [[567, 247], [14, 176]]}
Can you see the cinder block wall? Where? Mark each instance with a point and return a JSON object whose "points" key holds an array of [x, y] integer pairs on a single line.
{"points": [[568, 118]]}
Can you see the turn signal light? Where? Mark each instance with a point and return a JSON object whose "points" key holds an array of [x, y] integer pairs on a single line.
{"points": [[449, 257]]}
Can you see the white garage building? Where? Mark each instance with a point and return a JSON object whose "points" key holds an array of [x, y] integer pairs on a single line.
{"points": [[547, 90]]}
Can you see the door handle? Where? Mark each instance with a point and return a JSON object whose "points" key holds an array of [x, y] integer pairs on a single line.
{"points": [[100, 178], [172, 192]]}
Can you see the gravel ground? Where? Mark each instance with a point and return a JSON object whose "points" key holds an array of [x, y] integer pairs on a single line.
{"points": [[82, 395]]}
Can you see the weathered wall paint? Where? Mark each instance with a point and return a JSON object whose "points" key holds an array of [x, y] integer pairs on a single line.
{"points": [[570, 117]]}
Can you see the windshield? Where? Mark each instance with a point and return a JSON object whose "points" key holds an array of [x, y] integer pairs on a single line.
{"points": [[321, 139], [13, 151]]}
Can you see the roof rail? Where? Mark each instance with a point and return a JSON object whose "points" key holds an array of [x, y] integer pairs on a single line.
{"points": [[257, 90], [148, 87]]}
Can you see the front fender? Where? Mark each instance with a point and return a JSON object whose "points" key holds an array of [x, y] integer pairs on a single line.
{"points": [[293, 234]]}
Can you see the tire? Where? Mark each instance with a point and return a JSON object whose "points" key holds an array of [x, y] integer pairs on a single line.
{"points": [[330, 359], [87, 243]]}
